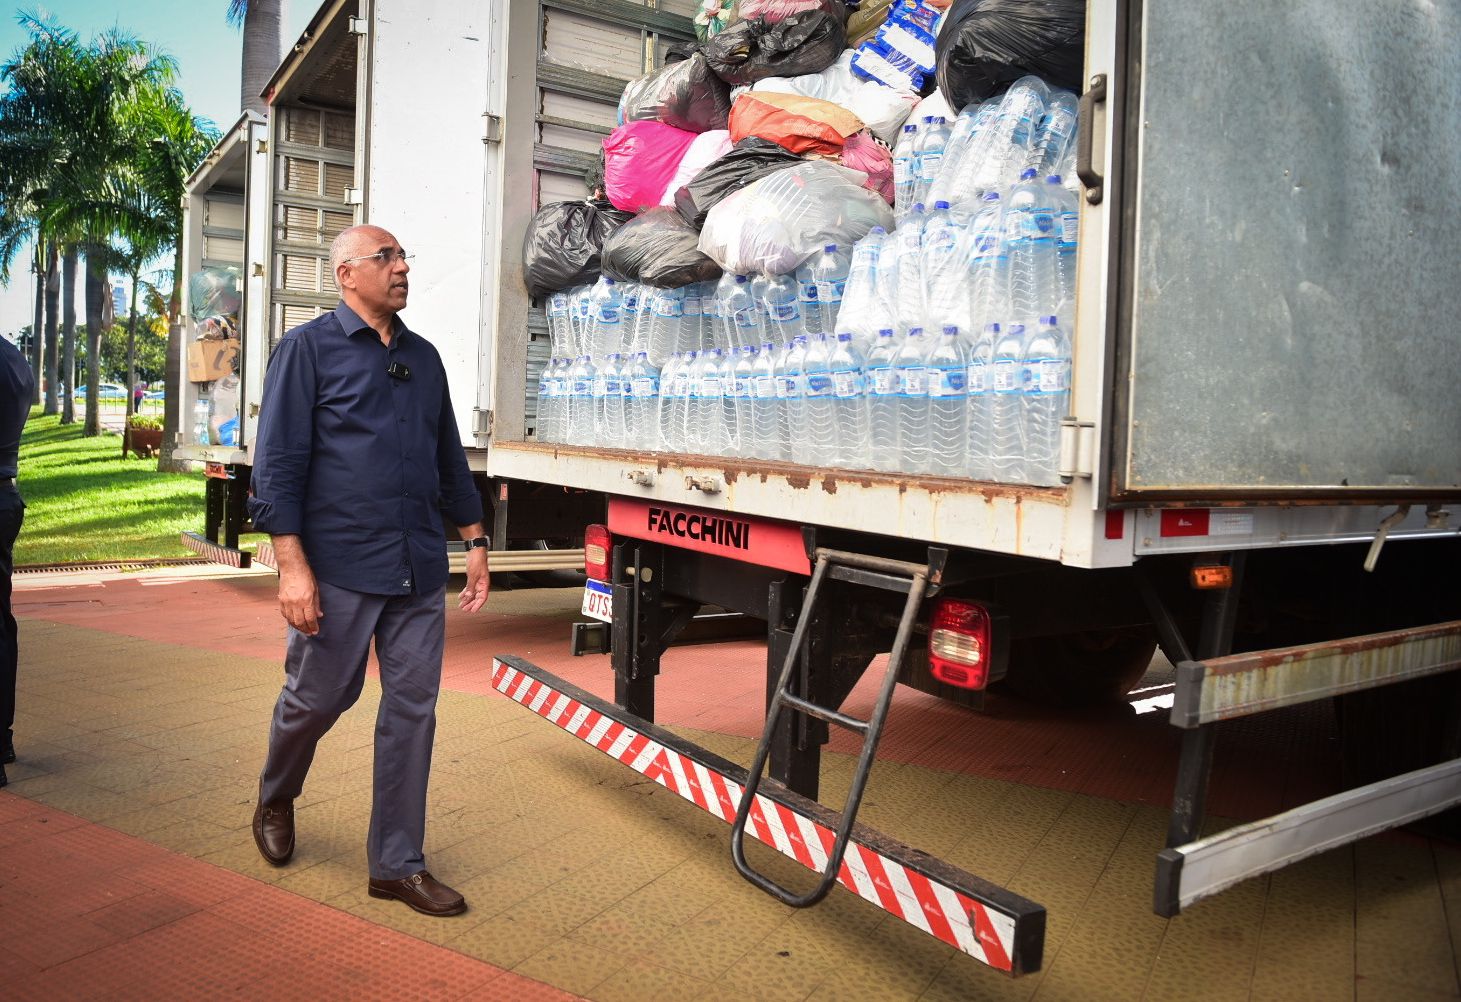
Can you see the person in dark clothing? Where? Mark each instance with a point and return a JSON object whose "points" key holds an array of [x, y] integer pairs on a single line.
{"points": [[358, 459], [16, 386]]}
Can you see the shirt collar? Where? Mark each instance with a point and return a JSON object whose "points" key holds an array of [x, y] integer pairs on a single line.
{"points": [[351, 323]]}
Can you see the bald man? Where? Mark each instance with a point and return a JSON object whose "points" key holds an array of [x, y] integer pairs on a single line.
{"points": [[357, 463]]}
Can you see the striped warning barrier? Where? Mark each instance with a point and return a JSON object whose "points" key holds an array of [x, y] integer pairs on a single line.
{"points": [[987, 922]]}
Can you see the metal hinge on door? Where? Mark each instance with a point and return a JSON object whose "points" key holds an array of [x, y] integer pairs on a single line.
{"points": [[359, 26], [481, 422], [1077, 449], [491, 127]]}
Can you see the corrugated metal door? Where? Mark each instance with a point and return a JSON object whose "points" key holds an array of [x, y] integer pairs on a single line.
{"points": [[314, 163], [223, 230], [589, 51]]}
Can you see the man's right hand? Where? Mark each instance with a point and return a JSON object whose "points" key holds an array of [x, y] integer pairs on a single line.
{"points": [[299, 596]]}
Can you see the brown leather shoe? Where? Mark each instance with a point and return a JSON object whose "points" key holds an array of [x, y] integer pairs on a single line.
{"points": [[422, 892], [274, 829]]}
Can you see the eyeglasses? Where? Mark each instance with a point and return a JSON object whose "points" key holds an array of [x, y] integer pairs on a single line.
{"points": [[383, 256]]}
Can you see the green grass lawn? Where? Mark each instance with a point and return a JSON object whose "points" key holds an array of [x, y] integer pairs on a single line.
{"points": [[85, 502]]}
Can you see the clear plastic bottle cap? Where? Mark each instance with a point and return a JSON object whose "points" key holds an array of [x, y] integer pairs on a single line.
{"points": [[941, 204], [950, 329], [830, 249], [740, 279], [915, 332], [844, 336], [1054, 179], [917, 206], [885, 332], [910, 128], [1027, 174]]}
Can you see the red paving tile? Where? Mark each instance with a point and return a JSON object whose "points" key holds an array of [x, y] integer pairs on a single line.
{"points": [[1109, 754], [87, 912]]}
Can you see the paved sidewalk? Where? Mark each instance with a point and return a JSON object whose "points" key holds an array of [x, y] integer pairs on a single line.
{"points": [[143, 712]]}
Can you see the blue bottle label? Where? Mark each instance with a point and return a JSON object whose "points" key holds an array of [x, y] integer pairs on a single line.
{"points": [[819, 384]]}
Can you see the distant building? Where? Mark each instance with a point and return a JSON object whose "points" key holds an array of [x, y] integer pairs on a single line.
{"points": [[119, 300]]}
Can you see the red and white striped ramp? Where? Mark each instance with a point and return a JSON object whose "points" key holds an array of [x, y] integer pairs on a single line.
{"points": [[989, 923]]}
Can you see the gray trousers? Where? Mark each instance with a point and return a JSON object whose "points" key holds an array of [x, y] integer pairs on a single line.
{"points": [[324, 675]]}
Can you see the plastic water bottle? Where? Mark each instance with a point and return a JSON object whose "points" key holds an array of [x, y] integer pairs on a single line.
{"points": [[829, 272], [633, 312], [905, 172], [1047, 389], [945, 269], [664, 405], [641, 383], [666, 317], [581, 402], [606, 318], [705, 430], [695, 314], [882, 404], [1054, 134], [950, 183], [989, 292], [609, 403], [1006, 418], [808, 303], [544, 431], [980, 384], [860, 313], [783, 313], [849, 403], [911, 373], [1030, 233], [1005, 145], [740, 314], [560, 332], [580, 316], [1067, 232], [947, 366], [741, 399], [907, 260], [928, 154], [764, 443], [815, 443], [790, 395]]}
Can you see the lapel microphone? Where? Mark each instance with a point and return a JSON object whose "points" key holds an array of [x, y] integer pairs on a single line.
{"points": [[398, 371]]}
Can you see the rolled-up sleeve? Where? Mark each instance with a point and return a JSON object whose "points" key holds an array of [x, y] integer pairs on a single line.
{"points": [[284, 441], [459, 500]]}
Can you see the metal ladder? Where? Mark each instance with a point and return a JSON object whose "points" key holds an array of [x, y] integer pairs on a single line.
{"points": [[856, 568]]}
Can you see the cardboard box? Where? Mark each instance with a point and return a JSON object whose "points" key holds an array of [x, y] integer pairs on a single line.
{"points": [[210, 360]]}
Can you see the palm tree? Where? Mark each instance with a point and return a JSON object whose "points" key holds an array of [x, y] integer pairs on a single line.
{"points": [[260, 22]]}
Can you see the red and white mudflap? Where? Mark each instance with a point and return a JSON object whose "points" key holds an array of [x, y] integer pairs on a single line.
{"points": [[987, 922]]}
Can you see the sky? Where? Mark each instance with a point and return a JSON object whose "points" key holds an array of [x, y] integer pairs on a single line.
{"points": [[195, 32]]}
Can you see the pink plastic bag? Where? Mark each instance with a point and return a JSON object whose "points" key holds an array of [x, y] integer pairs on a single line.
{"points": [[640, 159], [864, 153], [772, 11]]}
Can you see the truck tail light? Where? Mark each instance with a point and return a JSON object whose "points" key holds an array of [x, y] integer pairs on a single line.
{"points": [[597, 547], [959, 643]]}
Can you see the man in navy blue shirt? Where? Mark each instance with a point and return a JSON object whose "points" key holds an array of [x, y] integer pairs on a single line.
{"points": [[17, 384], [358, 461]]}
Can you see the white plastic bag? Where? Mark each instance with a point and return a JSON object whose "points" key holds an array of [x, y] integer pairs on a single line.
{"points": [[881, 108], [776, 223], [706, 149]]}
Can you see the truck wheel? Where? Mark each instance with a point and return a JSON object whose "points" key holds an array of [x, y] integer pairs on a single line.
{"points": [[1078, 669]]}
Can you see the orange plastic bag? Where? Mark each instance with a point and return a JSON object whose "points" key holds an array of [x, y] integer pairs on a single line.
{"points": [[797, 123]]}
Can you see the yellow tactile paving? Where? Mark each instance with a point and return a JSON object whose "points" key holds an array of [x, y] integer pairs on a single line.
{"points": [[584, 875]]}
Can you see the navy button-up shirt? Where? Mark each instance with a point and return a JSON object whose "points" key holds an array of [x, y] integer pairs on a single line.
{"points": [[16, 386], [361, 465]]}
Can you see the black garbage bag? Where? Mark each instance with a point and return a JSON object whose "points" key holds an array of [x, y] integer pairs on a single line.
{"points": [[657, 247], [750, 160], [561, 248], [685, 94], [986, 45], [753, 50]]}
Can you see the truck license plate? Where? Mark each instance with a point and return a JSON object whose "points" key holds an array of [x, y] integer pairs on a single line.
{"points": [[596, 601]]}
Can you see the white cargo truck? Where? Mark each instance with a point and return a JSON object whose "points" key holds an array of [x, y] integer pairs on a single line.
{"points": [[1260, 471]]}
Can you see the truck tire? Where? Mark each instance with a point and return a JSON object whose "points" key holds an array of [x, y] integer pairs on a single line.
{"points": [[1089, 668]]}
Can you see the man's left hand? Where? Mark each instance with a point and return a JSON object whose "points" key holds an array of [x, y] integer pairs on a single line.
{"points": [[474, 595]]}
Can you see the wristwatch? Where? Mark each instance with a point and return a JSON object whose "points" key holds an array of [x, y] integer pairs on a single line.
{"points": [[481, 542]]}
